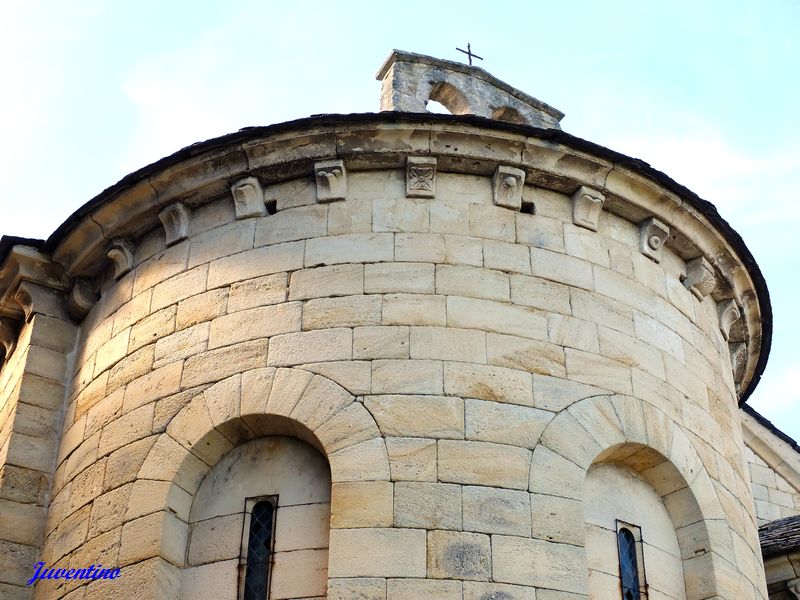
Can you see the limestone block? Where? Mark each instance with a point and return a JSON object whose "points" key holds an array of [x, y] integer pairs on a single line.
{"points": [[180, 345], [28, 486], [360, 588], [418, 416], [440, 343], [145, 497], [254, 323], [255, 263], [569, 439], [353, 216], [124, 464], [221, 241], [525, 354], [285, 387], [540, 231], [504, 423], [292, 224], [136, 364], [507, 185], [153, 579], [131, 312], [331, 177], [365, 461], [407, 377], [349, 248], [286, 584], [463, 250], [656, 334], [421, 176], [377, 553], [413, 309], [653, 235], [557, 519], [540, 563], [87, 485], [495, 317], [488, 383], [456, 555], [151, 328], [538, 293], [248, 198], [380, 342], [482, 463], [128, 428], [220, 363], [91, 394], [216, 539], [353, 375], [586, 206], [602, 311], [193, 428], [599, 371], [407, 277], [311, 346], [202, 307], [420, 247], [412, 459], [71, 532], [261, 291], [160, 267], [24, 523], [449, 216], [347, 311], [573, 333], [411, 589], [504, 256], [476, 590], [156, 384], [427, 505], [159, 534], [361, 504], [492, 510], [339, 280], [15, 562], [400, 215], [350, 426], [632, 352], [700, 279], [108, 354], [218, 580], [561, 268], [492, 222], [587, 246], [458, 280]]}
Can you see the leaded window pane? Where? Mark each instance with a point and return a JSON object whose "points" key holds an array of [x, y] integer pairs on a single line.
{"points": [[628, 565], [259, 549]]}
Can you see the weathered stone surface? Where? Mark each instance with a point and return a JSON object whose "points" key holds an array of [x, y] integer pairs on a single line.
{"points": [[493, 510], [427, 505], [482, 463], [377, 552], [456, 555], [418, 416]]}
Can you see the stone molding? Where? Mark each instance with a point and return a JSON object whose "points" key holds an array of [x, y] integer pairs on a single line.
{"points": [[421, 177], [653, 235], [121, 254], [175, 219], [699, 278], [331, 177], [587, 203], [794, 587], [8, 336], [248, 198], [507, 185], [464, 147]]}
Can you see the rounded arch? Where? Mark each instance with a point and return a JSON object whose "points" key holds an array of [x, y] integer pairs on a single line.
{"points": [[450, 97], [622, 430], [254, 404]]}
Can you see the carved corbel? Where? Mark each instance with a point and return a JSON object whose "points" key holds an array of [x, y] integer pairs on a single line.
{"points": [[728, 315], [507, 185], [175, 219], [8, 337], [121, 254], [586, 206], [82, 298], [421, 177], [652, 236], [34, 298], [248, 198], [331, 180], [699, 278], [738, 358], [794, 587]]}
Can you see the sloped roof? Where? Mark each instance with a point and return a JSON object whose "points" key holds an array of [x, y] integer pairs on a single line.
{"points": [[780, 537]]}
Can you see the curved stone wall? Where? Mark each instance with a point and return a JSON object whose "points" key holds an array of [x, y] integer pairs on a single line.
{"points": [[463, 321]]}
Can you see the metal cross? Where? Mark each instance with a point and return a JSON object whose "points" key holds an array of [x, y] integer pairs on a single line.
{"points": [[469, 54]]}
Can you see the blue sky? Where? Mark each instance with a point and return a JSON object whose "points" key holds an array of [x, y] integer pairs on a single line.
{"points": [[705, 91]]}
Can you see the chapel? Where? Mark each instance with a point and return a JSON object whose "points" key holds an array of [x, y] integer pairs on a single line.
{"points": [[391, 356]]}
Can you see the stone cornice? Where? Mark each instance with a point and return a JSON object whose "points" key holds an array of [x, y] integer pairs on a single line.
{"points": [[550, 159]]}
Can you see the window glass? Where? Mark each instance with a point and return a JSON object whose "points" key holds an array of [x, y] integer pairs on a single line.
{"points": [[628, 567], [259, 550]]}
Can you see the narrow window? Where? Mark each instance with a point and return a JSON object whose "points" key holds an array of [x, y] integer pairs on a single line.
{"points": [[259, 550], [632, 578]]}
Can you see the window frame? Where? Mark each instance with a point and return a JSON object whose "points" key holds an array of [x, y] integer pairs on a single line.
{"points": [[636, 531], [249, 504]]}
